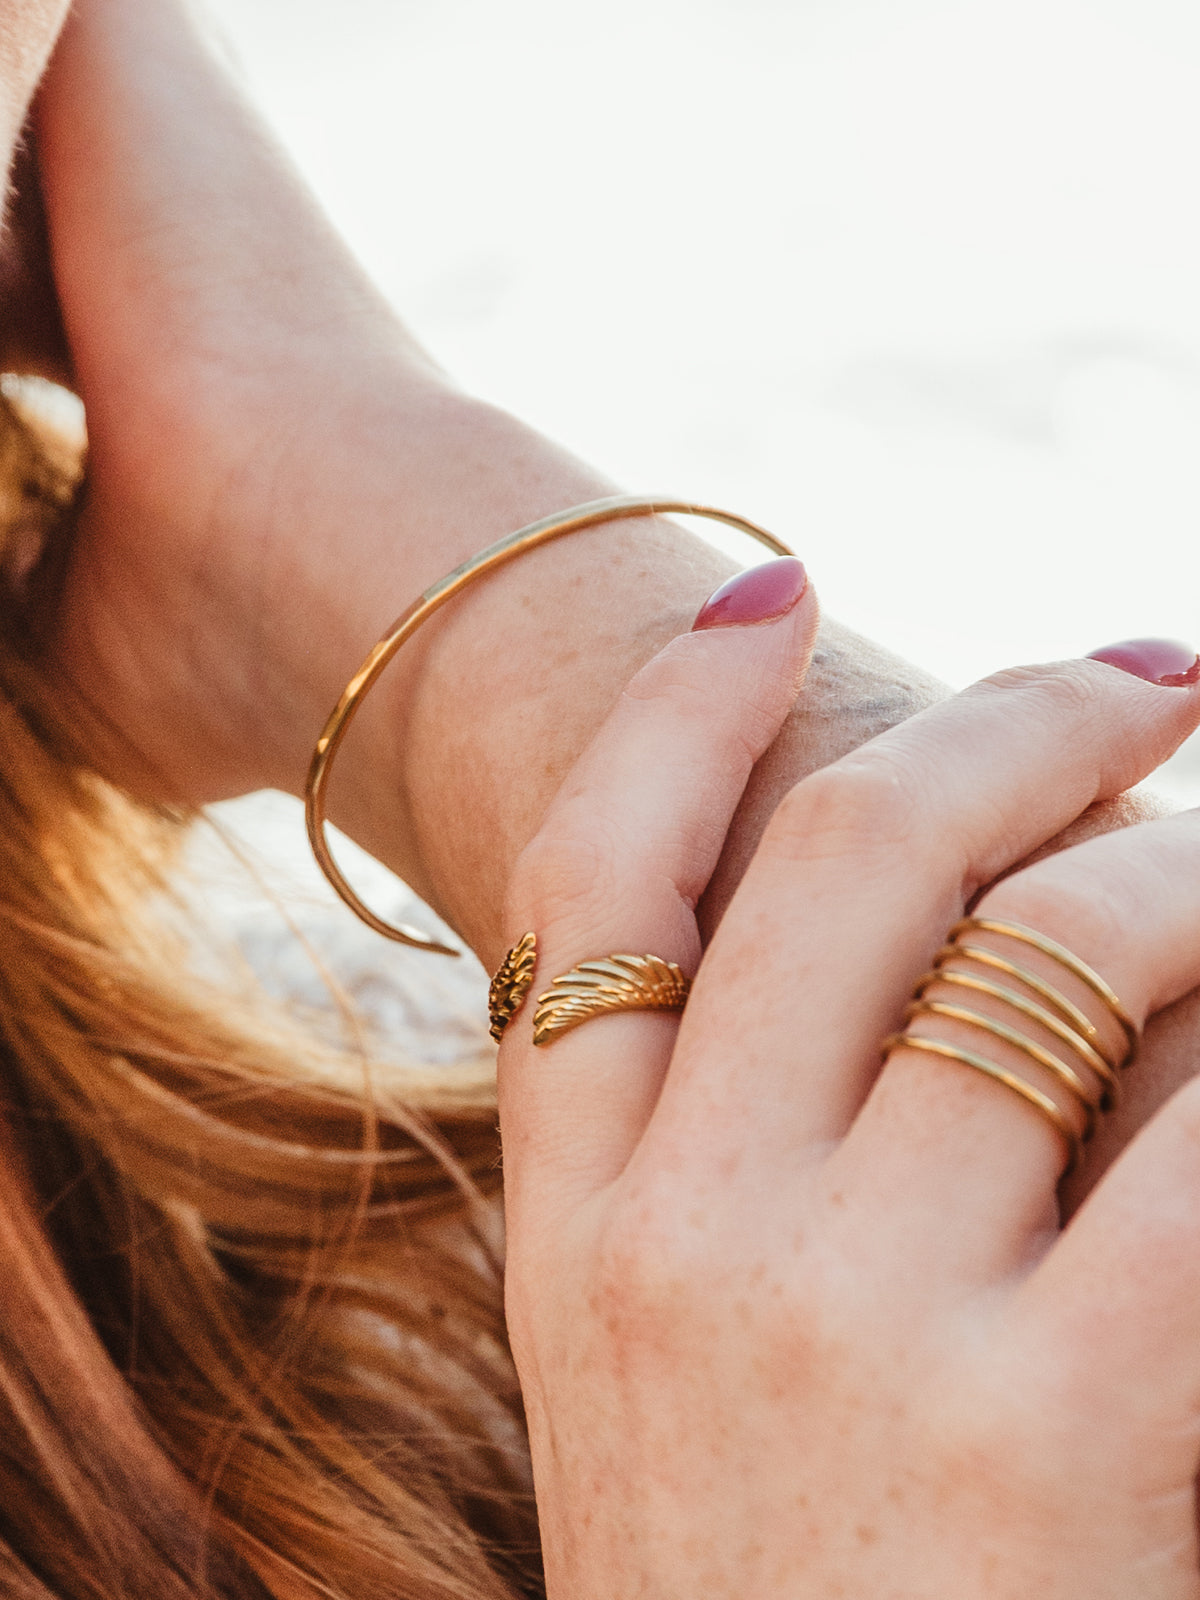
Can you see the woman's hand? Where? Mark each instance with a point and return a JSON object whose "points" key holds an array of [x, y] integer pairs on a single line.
{"points": [[790, 1325], [276, 470]]}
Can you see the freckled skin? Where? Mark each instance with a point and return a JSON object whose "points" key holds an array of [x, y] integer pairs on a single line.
{"points": [[469, 821]]}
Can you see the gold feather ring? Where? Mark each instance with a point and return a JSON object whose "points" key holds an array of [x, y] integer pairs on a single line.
{"points": [[613, 983], [511, 984]]}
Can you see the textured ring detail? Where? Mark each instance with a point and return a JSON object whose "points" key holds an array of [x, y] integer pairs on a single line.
{"points": [[612, 983], [513, 981]]}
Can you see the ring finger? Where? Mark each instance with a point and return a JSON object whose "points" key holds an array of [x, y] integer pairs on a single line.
{"points": [[861, 874], [1124, 904]]}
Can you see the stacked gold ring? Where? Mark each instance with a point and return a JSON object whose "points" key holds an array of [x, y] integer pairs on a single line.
{"points": [[1079, 1095]]}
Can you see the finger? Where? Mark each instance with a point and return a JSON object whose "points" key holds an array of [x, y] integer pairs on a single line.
{"points": [[864, 868], [1126, 905], [1119, 1293], [619, 862]]}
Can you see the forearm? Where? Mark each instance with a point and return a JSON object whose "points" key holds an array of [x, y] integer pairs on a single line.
{"points": [[277, 470]]}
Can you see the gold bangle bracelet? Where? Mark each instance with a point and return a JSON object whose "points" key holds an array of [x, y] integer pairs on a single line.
{"points": [[615, 509]]}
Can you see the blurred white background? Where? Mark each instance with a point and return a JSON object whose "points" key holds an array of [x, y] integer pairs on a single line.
{"points": [[914, 282]]}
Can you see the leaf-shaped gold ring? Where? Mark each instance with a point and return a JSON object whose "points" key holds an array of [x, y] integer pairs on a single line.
{"points": [[614, 983], [511, 984]]}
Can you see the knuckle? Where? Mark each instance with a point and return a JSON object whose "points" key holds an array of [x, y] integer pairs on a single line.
{"points": [[678, 675], [965, 1430], [569, 867], [1067, 691], [660, 1281], [742, 707], [644, 1277], [865, 802], [995, 1430]]}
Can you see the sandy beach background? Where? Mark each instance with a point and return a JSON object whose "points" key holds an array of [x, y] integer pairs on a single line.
{"points": [[915, 283]]}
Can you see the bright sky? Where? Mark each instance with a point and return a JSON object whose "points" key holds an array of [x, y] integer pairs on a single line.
{"points": [[916, 283]]}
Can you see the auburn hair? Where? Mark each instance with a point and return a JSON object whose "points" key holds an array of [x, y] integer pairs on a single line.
{"points": [[251, 1324]]}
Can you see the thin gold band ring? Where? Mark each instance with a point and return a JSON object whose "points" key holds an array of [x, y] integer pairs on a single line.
{"points": [[1071, 1014], [1036, 1001], [1065, 1075], [1044, 1018], [1040, 1102], [1064, 957]]}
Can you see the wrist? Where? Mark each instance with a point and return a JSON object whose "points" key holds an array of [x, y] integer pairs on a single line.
{"points": [[469, 732], [324, 534], [467, 735]]}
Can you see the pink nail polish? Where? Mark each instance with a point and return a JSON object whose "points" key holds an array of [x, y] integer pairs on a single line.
{"points": [[1162, 661], [758, 595]]}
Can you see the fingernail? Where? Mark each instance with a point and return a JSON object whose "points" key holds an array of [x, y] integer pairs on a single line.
{"points": [[758, 595], [1163, 661]]}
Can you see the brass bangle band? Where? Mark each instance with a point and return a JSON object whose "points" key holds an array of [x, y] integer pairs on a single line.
{"points": [[1074, 1040], [1041, 1103], [1057, 952], [614, 509]]}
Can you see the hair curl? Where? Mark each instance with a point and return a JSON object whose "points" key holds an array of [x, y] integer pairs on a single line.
{"points": [[252, 1339]]}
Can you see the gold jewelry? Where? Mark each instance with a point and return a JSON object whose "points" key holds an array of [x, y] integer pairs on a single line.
{"points": [[512, 983], [1072, 1015], [1072, 963], [614, 509], [1067, 1076], [1060, 1017], [1073, 1038], [1041, 1102], [614, 983]]}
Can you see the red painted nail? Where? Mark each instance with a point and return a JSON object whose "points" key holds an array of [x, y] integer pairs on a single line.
{"points": [[1163, 661], [758, 595]]}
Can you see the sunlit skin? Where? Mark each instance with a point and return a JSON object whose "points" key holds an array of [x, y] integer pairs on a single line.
{"points": [[231, 584], [277, 468]]}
